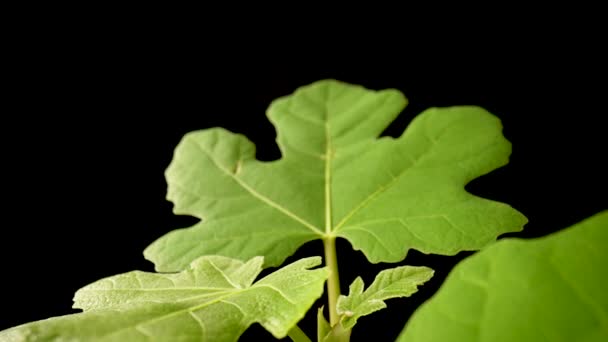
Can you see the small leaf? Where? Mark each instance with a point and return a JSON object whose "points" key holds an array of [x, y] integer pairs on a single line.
{"points": [[323, 327], [337, 177], [213, 300], [393, 283], [553, 288], [325, 333], [337, 334]]}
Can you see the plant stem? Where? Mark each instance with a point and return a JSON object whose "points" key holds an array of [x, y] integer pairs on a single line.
{"points": [[329, 240], [333, 282], [297, 335]]}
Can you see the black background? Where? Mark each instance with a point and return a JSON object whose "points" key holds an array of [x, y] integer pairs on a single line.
{"points": [[97, 118]]}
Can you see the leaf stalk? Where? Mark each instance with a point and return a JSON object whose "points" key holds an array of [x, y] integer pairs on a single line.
{"points": [[333, 282], [297, 335]]}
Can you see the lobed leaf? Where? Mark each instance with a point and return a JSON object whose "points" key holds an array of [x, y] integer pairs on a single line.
{"points": [[552, 288], [215, 299], [338, 178], [392, 283]]}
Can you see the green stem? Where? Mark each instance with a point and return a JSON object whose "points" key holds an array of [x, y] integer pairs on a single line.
{"points": [[333, 282], [297, 335]]}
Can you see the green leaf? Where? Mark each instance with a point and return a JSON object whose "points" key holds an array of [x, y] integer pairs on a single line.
{"points": [[337, 334], [215, 299], [336, 177], [323, 326], [553, 288], [393, 283], [327, 333]]}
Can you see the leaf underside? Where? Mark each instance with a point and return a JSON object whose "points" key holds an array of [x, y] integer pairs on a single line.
{"points": [[552, 288], [215, 300], [392, 283], [336, 177]]}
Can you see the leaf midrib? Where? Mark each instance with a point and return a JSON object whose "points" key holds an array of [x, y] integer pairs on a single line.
{"points": [[327, 177], [330, 230], [200, 306]]}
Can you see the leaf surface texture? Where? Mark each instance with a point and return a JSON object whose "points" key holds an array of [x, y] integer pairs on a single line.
{"points": [[338, 177], [215, 299], [392, 283]]}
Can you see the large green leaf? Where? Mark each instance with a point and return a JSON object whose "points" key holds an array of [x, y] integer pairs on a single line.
{"points": [[553, 288], [392, 283], [215, 299], [337, 178]]}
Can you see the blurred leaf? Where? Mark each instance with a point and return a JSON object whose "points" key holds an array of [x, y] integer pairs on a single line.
{"points": [[553, 288]]}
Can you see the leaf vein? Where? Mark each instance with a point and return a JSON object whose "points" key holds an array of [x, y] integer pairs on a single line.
{"points": [[379, 191], [259, 196], [374, 236], [200, 323], [278, 291], [223, 275]]}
